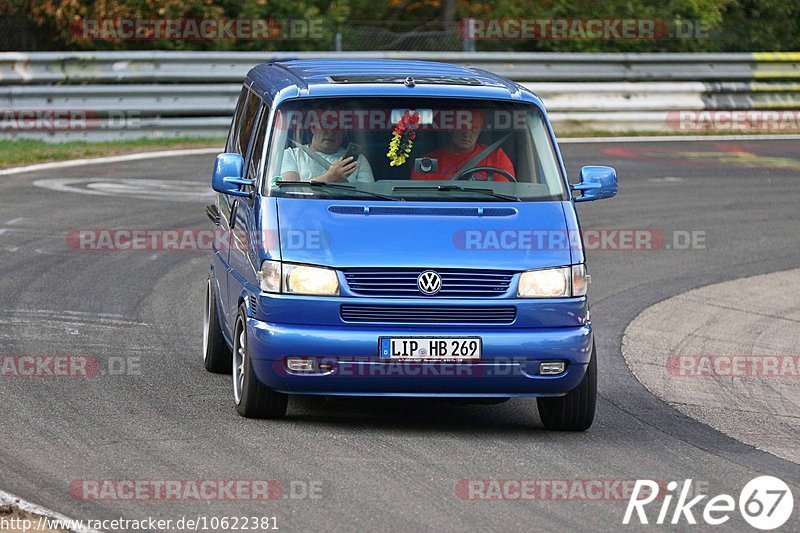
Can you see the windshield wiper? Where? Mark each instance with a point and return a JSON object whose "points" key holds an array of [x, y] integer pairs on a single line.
{"points": [[323, 184], [487, 192]]}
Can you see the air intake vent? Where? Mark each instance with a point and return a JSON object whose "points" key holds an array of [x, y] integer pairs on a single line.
{"points": [[347, 209], [253, 303], [424, 211], [428, 314]]}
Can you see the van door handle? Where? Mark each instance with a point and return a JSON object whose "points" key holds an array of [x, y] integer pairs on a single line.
{"points": [[213, 213], [234, 207]]}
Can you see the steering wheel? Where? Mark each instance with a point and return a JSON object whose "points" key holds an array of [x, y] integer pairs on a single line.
{"points": [[469, 174]]}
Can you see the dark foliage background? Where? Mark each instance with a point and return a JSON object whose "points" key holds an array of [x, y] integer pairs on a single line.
{"points": [[717, 25]]}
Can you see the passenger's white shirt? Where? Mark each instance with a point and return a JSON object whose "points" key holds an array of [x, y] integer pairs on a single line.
{"points": [[296, 160]]}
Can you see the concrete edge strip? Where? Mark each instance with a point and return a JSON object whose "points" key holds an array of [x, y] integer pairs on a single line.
{"points": [[677, 138], [109, 159], [565, 140], [625, 350], [24, 505]]}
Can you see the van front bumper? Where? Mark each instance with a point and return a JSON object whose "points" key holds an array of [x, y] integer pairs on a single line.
{"points": [[349, 355]]}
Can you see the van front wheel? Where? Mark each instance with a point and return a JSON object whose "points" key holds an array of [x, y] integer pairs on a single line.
{"points": [[253, 400], [575, 410]]}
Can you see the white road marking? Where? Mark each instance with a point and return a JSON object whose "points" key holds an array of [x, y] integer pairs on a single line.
{"points": [[669, 179], [78, 318], [144, 189], [43, 251]]}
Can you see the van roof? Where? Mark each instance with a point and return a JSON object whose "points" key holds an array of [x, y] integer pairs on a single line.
{"points": [[301, 78]]}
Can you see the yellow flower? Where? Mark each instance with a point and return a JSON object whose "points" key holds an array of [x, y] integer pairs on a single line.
{"points": [[394, 154]]}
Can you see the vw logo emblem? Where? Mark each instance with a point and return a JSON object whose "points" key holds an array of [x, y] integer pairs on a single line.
{"points": [[429, 282]]}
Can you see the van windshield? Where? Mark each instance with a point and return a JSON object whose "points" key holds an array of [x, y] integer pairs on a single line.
{"points": [[412, 149]]}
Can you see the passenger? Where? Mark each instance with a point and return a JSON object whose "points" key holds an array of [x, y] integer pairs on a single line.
{"points": [[321, 159], [463, 146]]}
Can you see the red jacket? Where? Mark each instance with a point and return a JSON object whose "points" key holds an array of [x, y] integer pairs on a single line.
{"points": [[450, 163]]}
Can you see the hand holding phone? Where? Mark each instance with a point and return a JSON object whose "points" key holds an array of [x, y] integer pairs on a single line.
{"points": [[353, 150]]}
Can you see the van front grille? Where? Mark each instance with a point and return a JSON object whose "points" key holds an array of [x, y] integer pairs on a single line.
{"points": [[403, 282]]}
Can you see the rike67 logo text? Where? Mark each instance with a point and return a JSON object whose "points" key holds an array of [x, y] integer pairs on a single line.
{"points": [[765, 503]]}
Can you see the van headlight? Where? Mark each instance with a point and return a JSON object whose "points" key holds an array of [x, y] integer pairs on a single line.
{"points": [[553, 282], [304, 279], [291, 278]]}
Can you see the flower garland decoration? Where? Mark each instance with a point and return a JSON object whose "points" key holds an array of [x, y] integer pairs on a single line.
{"points": [[403, 138]]}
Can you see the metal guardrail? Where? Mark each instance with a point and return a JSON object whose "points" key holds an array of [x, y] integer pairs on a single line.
{"points": [[171, 94]]}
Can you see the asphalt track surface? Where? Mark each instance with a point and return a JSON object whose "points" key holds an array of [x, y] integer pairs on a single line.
{"points": [[382, 463]]}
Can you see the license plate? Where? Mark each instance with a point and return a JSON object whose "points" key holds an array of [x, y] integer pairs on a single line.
{"points": [[430, 348]]}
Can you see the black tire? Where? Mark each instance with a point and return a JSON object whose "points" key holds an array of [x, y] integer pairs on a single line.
{"points": [[216, 353], [252, 399], [575, 410]]}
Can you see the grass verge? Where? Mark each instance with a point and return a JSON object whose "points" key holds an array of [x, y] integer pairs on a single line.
{"points": [[29, 152]]}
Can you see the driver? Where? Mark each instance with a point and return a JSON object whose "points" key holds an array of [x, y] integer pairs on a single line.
{"points": [[463, 146]]}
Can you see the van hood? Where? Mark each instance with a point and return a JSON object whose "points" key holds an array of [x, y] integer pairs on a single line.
{"points": [[494, 235]]}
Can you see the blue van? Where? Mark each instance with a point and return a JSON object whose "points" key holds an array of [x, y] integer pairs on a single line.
{"points": [[399, 228]]}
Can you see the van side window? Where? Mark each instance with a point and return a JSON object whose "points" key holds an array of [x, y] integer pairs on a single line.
{"points": [[246, 124], [237, 117], [258, 144]]}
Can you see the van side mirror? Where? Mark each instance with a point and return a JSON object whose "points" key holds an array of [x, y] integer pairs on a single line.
{"points": [[227, 176], [596, 183]]}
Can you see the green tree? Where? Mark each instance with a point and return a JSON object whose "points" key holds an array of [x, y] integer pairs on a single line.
{"points": [[707, 25]]}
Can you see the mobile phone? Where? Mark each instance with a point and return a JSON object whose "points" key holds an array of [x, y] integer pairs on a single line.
{"points": [[353, 150]]}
